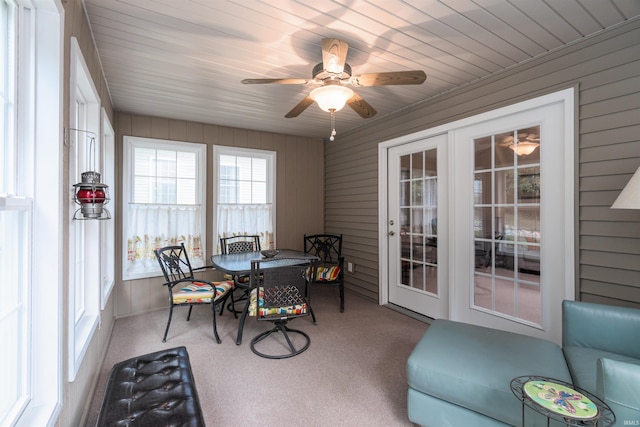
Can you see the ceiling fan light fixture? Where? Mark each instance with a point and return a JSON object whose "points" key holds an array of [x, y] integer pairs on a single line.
{"points": [[524, 148], [331, 97]]}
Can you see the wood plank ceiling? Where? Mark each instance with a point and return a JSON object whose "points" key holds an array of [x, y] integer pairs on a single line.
{"points": [[184, 59]]}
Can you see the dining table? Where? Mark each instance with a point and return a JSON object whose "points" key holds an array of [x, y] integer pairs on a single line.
{"points": [[239, 264]]}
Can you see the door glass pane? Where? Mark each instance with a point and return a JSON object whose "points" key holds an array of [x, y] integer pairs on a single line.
{"points": [[529, 185], [504, 186], [430, 163], [482, 188], [417, 165], [418, 220], [482, 147], [503, 153], [530, 137], [507, 224], [482, 222]]}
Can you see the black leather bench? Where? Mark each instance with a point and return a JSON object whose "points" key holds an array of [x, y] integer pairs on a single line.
{"points": [[155, 389]]}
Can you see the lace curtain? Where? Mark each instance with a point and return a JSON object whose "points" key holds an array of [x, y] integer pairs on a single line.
{"points": [[234, 220], [156, 226]]}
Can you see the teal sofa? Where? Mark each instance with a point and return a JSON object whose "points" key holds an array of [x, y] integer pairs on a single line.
{"points": [[459, 374]]}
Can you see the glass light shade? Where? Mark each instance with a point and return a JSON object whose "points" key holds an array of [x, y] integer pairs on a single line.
{"points": [[629, 198], [524, 148], [332, 97]]}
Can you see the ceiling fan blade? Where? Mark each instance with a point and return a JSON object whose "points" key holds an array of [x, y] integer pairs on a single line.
{"points": [[415, 77], [302, 105], [278, 81], [334, 55], [361, 106]]}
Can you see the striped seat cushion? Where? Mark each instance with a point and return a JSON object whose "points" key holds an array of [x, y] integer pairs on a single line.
{"points": [[327, 274], [295, 309], [198, 292]]}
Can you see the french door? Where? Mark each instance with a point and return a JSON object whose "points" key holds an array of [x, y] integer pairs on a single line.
{"points": [[512, 229], [417, 224], [476, 218]]}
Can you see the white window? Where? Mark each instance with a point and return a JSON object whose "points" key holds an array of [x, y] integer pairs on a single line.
{"points": [[244, 183], [164, 193], [84, 236], [30, 182]]}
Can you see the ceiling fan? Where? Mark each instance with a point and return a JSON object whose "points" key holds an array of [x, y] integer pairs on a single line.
{"points": [[333, 75]]}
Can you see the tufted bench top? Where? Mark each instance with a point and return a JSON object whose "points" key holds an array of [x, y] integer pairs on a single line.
{"points": [[155, 389]]}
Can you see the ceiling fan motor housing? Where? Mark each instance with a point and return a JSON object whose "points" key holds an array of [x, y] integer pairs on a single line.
{"points": [[319, 73]]}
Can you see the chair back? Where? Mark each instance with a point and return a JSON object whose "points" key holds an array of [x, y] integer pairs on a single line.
{"points": [[174, 263], [327, 247], [281, 286], [239, 244]]}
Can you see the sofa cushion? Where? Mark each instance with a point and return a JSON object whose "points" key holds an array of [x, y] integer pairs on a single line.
{"points": [[607, 327], [429, 411], [618, 386], [472, 366], [583, 365]]}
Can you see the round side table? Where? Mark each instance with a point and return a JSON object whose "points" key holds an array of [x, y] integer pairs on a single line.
{"points": [[560, 401]]}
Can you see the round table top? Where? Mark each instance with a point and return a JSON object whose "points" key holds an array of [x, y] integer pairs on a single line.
{"points": [[560, 399]]}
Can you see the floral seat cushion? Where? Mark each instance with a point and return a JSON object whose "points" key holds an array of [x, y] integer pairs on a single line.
{"points": [[295, 309], [198, 292]]}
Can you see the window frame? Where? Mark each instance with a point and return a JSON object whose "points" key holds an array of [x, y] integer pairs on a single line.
{"points": [[37, 176], [107, 228], [269, 156], [84, 236], [129, 143]]}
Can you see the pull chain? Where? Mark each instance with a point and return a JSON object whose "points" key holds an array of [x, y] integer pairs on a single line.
{"points": [[333, 124]]}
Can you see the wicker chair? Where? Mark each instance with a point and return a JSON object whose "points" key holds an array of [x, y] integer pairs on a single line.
{"points": [[328, 247], [186, 290], [280, 293]]}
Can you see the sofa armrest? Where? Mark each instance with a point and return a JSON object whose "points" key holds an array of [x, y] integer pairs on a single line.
{"points": [[618, 384], [603, 327]]}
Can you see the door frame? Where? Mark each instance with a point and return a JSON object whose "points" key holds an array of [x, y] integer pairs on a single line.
{"points": [[567, 97]]}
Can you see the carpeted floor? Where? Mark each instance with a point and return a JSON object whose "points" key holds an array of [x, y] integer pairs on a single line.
{"points": [[353, 374]]}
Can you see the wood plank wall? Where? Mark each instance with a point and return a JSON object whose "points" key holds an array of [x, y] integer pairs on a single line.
{"points": [[606, 71], [299, 190], [74, 394]]}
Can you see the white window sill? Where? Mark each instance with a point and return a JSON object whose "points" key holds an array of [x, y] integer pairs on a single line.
{"points": [[40, 415]]}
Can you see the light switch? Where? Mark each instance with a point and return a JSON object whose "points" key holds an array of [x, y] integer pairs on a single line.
{"points": [[351, 268]]}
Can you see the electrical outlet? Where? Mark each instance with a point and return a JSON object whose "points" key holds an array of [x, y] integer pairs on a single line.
{"points": [[351, 268]]}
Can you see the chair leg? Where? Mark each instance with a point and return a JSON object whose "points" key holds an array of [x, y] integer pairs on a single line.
{"points": [[166, 331], [281, 326], [313, 315], [189, 315], [215, 328], [341, 288], [243, 317]]}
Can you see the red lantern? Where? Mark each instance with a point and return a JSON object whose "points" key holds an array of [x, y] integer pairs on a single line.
{"points": [[91, 195]]}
